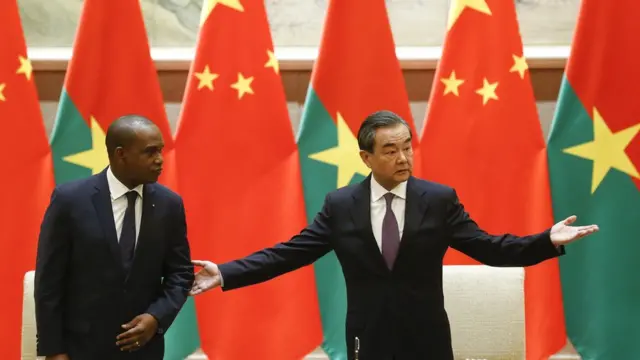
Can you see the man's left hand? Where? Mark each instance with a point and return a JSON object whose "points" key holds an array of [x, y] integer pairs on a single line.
{"points": [[138, 332], [562, 233]]}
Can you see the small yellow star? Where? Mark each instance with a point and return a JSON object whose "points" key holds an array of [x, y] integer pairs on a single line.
{"points": [[95, 158], [345, 156], [208, 6], [520, 65], [206, 78], [243, 85], [2, 86], [488, 91], [451, 84], [272, 62], [25, 67], [607, 150], [458, 6]]}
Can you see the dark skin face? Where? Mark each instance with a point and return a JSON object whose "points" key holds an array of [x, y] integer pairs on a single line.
{"points": [[392, 159], [139, 162]]}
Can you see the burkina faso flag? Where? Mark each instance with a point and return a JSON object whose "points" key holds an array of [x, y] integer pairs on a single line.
{"points": [[356, 74], [111, 74], [594, 159]]}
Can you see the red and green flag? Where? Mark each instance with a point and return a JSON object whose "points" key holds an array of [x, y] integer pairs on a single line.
{"points": [[27, 174], [111, 74], [240, 178], [483, 137], [594, 162], [356, 74]]}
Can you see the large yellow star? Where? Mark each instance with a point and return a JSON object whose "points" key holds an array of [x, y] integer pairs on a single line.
{"points": [[95, 158], [25, 67], [606, 150], [458, 6], [208, 6], [488, 91], [272, 62], [243, 85], [345, 155], [206, 78], [451, 84], [520, 65], [2, 86]]}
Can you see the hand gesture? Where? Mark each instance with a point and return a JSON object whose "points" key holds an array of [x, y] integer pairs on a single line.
{"points": [[139, 331], [206, 279], [562, 233]]}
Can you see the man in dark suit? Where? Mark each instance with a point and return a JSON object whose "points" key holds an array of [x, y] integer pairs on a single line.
{"points": [[113, 264], [390, 233]]}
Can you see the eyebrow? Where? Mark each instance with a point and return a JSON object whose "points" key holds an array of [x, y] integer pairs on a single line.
{"points": [[393, 144]]}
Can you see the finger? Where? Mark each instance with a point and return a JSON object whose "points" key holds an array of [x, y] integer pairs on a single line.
{"points": [[570, 220], [135, 345], [200, 263], [131, 333]]}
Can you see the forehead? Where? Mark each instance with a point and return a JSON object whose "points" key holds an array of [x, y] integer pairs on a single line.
{"points": [[148, 136], [392, 135]]}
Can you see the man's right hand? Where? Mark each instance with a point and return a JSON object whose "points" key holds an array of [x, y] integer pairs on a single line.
{"points": [[206, 279], [57, 357]]}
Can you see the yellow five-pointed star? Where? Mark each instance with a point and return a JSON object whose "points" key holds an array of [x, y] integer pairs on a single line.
{"points": [[243, 85], [95, 158], [345, 155], [208, 6], [458, 6], [606, 150], [2, 86], [206, 78], [272, 62], [451, 84], [488, 91], [520, 65], [25, 67]]}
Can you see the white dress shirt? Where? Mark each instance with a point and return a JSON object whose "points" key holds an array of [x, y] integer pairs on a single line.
{"points": [[379, 207], [119, 202]]}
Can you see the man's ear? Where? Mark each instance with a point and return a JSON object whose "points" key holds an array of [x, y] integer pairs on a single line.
{"points": [[366, 158], [119, 152]]}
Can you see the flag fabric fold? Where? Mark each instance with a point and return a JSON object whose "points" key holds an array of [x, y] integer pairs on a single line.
{"points": [[594, 162], [240, 179], [27, 173], [356, 73], [483, 137]]}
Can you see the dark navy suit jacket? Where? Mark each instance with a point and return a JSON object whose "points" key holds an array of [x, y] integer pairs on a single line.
{"points": [[82, 293], [396, 314]]}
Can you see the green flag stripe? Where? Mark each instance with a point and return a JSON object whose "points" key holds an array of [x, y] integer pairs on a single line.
{"points": [[600, 288]]}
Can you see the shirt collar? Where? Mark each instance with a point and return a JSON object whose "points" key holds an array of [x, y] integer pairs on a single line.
{"points": [[117, 188], [377, 191]]}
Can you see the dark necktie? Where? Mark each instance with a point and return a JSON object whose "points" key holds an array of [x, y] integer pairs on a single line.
{"points": [[128, 234], [390, 234]]}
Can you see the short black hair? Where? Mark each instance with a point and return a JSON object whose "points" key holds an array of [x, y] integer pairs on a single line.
{"points": [[376, 120], [122, 131]]}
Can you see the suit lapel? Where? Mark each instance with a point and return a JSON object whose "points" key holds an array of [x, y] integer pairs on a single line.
{"points": [[415, 210], [102, 204], [361, 215]]}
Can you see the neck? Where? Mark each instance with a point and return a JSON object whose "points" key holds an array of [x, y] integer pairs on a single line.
{"points": [[386, 184], [123, 179]]}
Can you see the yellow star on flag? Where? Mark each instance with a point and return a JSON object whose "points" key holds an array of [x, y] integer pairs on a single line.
{"points": [[458, 6], [95, 158], [206, 78], [345, 155], [272, 62], [25, 67], [243, 85], [2, 86], [520, 65], [208, 6], [488, 91], [607, 150], [451, 84]]}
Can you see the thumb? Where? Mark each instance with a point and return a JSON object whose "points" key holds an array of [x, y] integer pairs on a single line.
{"points": [[199, 263], [570, 220], [131, 323]]}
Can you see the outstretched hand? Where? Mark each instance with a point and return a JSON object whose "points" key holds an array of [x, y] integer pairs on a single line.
{"points": [[206, 279], [563, 233]]}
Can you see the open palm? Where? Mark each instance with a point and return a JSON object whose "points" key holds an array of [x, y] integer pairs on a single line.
{"points": [[206, 279], [563, 233]]}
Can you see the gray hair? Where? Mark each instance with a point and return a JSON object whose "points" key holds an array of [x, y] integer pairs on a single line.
{"points": [[379, 119]]}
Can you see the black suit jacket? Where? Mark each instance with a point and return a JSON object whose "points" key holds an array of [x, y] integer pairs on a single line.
{"points": [[82, 293], [396, 314]]}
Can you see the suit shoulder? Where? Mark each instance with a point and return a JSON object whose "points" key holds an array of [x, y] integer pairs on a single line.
{"points": [[434, 189], [162, 190], [343, 193], [75, 187]]}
